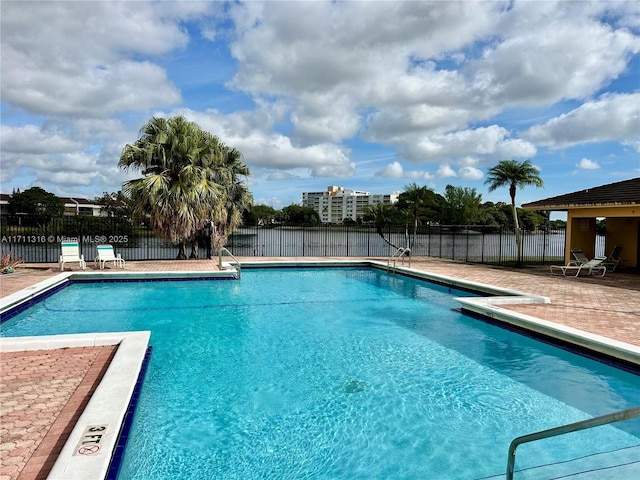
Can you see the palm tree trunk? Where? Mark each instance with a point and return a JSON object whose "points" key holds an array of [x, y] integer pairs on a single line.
{"points": [[516, 224], [194, 249], [381, 233], [415, 232], [182, 251]]}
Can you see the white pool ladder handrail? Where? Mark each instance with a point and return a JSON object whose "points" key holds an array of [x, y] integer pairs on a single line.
{"points": [[228, 265], [571, 427], [399, 254]]}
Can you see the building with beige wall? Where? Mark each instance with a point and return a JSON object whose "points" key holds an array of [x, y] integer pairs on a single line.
{"points": [[618, 202], [337, 203]]}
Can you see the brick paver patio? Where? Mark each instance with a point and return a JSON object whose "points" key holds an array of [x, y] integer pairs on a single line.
{"points": [[43, 393]]}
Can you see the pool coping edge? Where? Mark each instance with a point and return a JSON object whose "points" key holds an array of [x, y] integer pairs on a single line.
{"points": [[107, 406]]}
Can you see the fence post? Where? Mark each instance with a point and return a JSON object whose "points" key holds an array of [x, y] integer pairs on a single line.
{"points": [[347, 240], [453, 244], [466, 258], [500, 246]]}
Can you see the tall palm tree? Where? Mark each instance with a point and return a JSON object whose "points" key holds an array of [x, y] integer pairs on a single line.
{"points": [[515, 174], [181, 189]]}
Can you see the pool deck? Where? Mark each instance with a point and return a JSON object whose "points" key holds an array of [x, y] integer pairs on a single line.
{"points": [[42, 393]]}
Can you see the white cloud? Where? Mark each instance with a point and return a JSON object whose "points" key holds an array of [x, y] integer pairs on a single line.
{"points": [[634, 143], [611, 117], [331, 59], [295, 47], [278, 176], [397, 125], [491, 142], [470, 173], [31, 139], [396, 170], [314, 85], [70, 177], [266, 149], [445, 171], [69, 58], [324, 118], [393, 170], [551, 51], [587, 164]]}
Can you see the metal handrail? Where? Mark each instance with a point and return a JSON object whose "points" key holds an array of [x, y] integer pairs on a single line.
{"points": [[400, 253], [232, 256], [571, 427]]}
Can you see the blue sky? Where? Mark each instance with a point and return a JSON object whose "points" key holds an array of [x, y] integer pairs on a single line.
{"points": [[367, 95]]}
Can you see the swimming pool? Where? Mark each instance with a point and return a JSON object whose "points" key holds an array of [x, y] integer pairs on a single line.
{"points": [[337, 373]]}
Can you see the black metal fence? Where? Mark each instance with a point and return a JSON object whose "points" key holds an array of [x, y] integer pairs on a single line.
{"points": [[40, 243]]}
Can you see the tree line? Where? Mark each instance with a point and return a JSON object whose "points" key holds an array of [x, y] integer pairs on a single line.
{"points": [[193, 190], [458, 206]]}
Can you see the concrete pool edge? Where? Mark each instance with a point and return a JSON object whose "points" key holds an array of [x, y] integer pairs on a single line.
{"points": [[107, 406], [490, 308], [32, 292]]}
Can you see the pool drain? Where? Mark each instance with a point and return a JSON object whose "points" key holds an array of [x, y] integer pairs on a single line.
{"points": [[353, 386]]}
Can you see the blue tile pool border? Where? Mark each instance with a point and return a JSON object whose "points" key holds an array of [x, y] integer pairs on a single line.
{"points": [[30, 302], [123, 435]]}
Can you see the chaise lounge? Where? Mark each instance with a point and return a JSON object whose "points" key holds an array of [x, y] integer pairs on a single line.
{"points": [[579, 258], [592, 267], [614, 259]]}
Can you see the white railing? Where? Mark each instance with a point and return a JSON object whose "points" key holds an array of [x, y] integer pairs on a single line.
{"points": [[235, 265], [399, 254], [572, 427]]}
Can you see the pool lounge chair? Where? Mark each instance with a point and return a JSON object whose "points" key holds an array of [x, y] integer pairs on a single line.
{"points": [[106, 254], [71, 253], [592, 267], [614, 259], [579, 258]]}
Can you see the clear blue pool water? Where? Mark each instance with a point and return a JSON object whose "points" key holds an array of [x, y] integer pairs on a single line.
{"points": [[338, 374]]}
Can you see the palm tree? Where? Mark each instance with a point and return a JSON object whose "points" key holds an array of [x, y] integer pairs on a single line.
{"points": [[382, 215], [181, 190], [515, 174], [237, 197]]}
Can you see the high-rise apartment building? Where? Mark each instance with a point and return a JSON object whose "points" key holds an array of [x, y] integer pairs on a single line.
{"points": [[337, 203]]}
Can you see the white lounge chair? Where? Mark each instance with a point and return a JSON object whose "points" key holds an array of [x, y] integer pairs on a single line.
{"points": [[614, 259], [106, 254], [579, 258], [71, 253], [592, 267]]}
